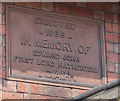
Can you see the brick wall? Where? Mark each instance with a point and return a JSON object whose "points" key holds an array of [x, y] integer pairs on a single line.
{"points": [[106, 12]]}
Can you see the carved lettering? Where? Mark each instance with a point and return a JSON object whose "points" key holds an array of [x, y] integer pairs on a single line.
{"points": [[25, 40], [49, 44], [23, 60], [71, 58], [55, 33], [83, 49], [45, 63], [58, 75], [45, 54], [48, 22], [77, 67]]}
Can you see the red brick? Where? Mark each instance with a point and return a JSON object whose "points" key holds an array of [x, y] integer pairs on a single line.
{"points": [[109, 47], [3, 19], [1, 95], [35, 88], [113, 76], [109, 17], [111, 57], [0, 18], [61, 8], [108, 27], [104, 6], [0, 7], [3, 74], [116, 28], [99, 15], [29, 4], [9, 86], [3, 30], [47, 6], [69, 3], [0, 30], [115, 18], [115, 8], [81, 4], [83, 12], [111, 67], [10, 95], [112, 38], [119, 19], [21, 87], [3, 7], [2, 51], [3, 63]]}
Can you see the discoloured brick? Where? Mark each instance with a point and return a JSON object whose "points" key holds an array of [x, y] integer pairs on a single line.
{"points": [[68, 92], [117, 68], [9, 86], [115, 18], [99, 15], [76, 92], [116, 28], [10, 95], [116, 48], [48, 6], [54, 91], [111, 67], [35, 88], [31, 96], [28, 87], [42, 89]]}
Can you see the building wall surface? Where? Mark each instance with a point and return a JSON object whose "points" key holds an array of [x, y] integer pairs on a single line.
{"points": [[108, 13]]}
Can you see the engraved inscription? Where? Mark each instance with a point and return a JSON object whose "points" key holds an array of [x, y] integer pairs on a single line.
{"points": [[53, 47]]}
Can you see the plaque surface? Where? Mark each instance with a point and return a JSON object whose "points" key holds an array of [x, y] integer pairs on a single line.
{"points": [[44, 46]]}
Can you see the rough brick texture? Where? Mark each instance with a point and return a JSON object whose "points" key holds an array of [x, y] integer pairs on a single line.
{"points": [[99, 11]]}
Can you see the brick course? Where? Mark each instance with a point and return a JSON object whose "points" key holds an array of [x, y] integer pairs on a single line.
{"points": [[106, 12]]}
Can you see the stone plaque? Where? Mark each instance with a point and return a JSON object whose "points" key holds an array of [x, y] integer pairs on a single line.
{"points": [[55, 48]]}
